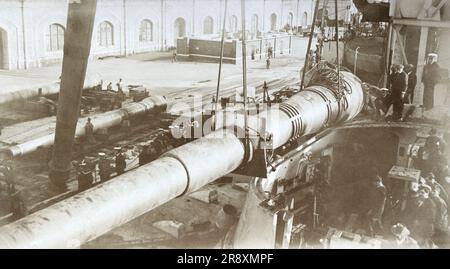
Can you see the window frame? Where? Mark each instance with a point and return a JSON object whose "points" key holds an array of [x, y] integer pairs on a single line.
{"points": [[105, 38], [55, 37], [146, 31]]}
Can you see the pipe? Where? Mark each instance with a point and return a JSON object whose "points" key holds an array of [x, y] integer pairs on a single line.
{"points": [[10, 95], [102, 121], [70, 223], [90, 214]]}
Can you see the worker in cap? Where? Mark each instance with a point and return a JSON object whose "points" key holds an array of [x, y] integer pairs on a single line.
{"points": [[104, 167], [412, 82], [89, 131], [398, 85], [435, 147], [431, 77], [402, 238], [8, 175], [376, 200], [120, 161], [423, 216], [144, 155], [432, 56], [18, 207], [434, 144], [441, 220], [85, 177]]}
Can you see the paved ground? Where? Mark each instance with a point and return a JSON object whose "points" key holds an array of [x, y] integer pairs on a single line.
{"points": [[153, 70]]}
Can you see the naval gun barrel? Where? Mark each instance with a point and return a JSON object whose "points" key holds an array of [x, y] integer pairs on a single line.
{"points": [[102, 121], [88, 215], [23, 93]]}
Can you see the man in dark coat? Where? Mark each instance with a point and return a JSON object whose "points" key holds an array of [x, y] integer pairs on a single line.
{"points": [[398, 83], [8, 175], [18, 207], [434, 144], [144, 157], [85, 177], [104, 167], [441, 220], [435, 148], [121, 163], [423, 217], [376, 200], [412, 82], [441, 235], [89, 131], [268, 63], [431, 77], [270, 52], [400, 238]]}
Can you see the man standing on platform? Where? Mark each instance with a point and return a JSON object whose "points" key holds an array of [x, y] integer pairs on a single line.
{"points": [[398, 85], [431, 77], [412, 82]]}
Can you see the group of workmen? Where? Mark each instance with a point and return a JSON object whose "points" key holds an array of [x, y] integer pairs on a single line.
{"points": [[402, 83], [119, 85], [17, 203], [86, 170], [422, 219]]}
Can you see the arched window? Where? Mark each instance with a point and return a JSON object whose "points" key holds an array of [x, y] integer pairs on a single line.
{"points": [[106, 34], [291, 19], [273, 22], [305, 19], [146, 31], [233, 24], [255, 24], [208, 26], [180, 28], [55, 37], [3, 49]]}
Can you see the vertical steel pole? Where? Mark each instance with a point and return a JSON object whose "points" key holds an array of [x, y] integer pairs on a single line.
{"points": [[309, 43], [338, 64], [244, 72], [222, 46]]}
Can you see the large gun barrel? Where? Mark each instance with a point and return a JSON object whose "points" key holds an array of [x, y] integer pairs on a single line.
{"points": [[23, 93], [88, 215], [105, 120]]}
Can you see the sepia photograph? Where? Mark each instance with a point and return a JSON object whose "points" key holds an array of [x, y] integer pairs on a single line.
{"points": [[224, 125]]}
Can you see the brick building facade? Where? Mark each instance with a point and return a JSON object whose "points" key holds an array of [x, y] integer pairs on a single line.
{"points": [[32, 31]]}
